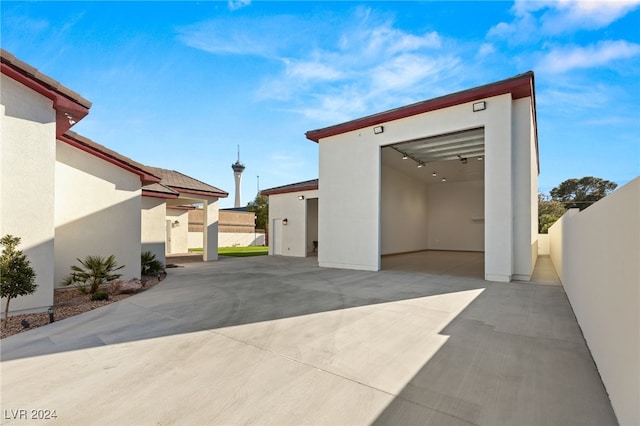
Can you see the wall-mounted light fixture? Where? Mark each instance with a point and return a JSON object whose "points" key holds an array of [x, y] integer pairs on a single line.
{"points": [[463, 160], [479, 106], [378, 129], [70, 118], [444, 179], [175, 224], [480, 158], [405, 156], [285, 221], [300, 197]]}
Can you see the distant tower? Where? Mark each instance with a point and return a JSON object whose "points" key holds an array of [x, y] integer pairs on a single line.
{"points": [[238, 168]]}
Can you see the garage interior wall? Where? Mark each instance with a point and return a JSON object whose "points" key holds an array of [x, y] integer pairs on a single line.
{"points": [[404, 212], [419, 216], [456, 216]]}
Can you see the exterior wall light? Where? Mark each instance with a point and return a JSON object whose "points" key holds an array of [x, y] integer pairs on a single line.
{"points": [[444, 179], [405, 156], [285, 221], [300, 197], [377, 130], [479, 106], [175, 224]]}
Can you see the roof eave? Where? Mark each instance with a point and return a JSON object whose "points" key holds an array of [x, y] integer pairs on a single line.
{"points": [[519, 86]]}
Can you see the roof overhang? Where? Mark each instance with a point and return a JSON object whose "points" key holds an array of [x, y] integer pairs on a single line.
{"points": [[92, 148], [70, 107], [200, 193], [520, 86], [291, 188]]}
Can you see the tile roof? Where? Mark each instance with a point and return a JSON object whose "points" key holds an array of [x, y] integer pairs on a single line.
{"points": [[307, 185], [101, 151], [47, 81], [182, 183], [158, 188]]}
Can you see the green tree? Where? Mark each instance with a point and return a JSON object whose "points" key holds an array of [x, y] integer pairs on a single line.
{"points": [[581, 193], [549, 211], [260, 206], [95, 270], [17, 277]]}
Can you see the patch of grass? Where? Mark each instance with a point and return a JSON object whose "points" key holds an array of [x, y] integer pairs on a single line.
{"points": [[196, 250], [243, 251]]}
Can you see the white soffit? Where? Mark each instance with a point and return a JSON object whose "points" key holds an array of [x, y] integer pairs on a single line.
{"points": [[452, 146]]}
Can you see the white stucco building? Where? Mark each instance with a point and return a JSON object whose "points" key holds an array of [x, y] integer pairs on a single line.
{"points": [[64, 195], [165, 214], [456, 173], [68, 197]]}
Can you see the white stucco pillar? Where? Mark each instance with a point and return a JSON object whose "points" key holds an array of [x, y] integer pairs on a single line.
{"points": [[498, 205], [210, 234]]}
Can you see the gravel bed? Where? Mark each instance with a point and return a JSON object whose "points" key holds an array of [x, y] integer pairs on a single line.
{"points": [[67, 302]]}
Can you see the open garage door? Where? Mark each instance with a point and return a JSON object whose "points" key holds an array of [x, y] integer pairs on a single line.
{"points": [[432, 204]]}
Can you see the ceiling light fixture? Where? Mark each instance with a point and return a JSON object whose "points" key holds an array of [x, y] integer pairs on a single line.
{"points": [[405, 156], [420, 165], [480, 158], [434, 174], [444, 179]]}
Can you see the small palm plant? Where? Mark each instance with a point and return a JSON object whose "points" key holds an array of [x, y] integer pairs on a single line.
{"points": [[150, 265], [95, 270]]}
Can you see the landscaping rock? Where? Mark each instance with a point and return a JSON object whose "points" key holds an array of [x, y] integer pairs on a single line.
{"points": [[134, 285]]}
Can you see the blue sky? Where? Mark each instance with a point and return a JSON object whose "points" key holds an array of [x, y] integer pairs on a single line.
{"points": [[180, 84]]}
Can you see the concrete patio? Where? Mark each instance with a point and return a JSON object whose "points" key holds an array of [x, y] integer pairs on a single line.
{"points": [[270, 340]]}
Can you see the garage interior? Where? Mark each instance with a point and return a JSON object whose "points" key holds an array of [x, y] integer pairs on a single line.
{"points": [[432, 204]]}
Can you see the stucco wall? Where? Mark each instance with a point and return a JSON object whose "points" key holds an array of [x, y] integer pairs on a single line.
{"points": [[178, 233], [525, 202], [456, 216], [350, 185], [292, 238], [154, 226], [27, 178], [97, 212], [596, 253], [404, 212]]}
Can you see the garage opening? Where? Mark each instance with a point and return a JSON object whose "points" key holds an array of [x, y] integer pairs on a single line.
{"points": [[432, 204]]}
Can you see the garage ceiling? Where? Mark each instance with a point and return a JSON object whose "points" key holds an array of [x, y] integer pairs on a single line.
{"points": [[455, 156]]}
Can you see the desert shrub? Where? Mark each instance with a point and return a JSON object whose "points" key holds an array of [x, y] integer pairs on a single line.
{"points": [[100, 295], [17, 277], [150, 265], [95, 270]]}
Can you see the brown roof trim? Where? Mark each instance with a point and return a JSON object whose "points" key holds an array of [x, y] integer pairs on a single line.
{"points": [[104, 153], [308, 185], [520, 86], [68, 104]]}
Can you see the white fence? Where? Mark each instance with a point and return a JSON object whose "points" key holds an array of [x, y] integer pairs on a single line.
{"points": [[596, 254]]}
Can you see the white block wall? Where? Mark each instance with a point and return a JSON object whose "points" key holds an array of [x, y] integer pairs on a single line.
{"points": [[154, 226], [596, 254]]}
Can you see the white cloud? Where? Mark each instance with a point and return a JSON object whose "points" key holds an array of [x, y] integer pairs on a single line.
{"points": [[486, 49], [534, 19], [311, 70], [598, 55], [237, 4]]}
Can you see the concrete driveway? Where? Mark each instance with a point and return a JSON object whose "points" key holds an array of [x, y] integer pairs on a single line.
{"points": [[269, 340]]}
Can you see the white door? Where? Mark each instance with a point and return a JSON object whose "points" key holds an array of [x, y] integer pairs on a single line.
{"points": [[276, 236]]}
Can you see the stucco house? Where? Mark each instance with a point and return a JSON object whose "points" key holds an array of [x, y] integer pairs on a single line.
{"points": [[64, 195], [457, 173], [165, 214]]}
